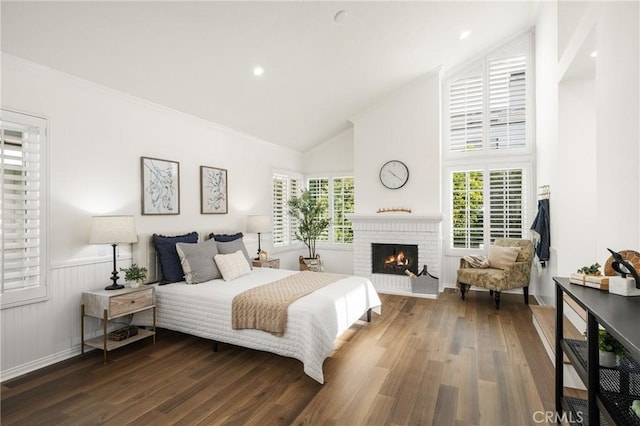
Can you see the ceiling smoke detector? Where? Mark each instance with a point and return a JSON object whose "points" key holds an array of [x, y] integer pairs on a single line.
{"points": [[340, 16]]}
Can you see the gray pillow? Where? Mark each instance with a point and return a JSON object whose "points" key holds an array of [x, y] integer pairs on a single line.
{"points": [[230, 247], [197, 261]]}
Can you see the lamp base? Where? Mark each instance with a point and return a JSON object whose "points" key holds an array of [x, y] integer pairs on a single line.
{"points": [[114, 287]]}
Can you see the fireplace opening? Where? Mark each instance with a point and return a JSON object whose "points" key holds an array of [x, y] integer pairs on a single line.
{"points": [[394, 258]]}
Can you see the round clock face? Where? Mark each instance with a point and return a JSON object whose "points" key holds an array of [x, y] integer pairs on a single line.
{"points": [[394, 174]]}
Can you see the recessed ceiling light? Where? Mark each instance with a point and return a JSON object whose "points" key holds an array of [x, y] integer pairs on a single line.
{"points": [[258, 71], [464, 34], [340, 16], [594, 53]]}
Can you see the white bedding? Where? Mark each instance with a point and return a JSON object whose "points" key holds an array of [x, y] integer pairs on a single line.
{"points": [[314, 321]]}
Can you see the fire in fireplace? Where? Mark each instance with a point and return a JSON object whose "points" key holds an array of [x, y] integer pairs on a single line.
{"points": [[394, 258]]}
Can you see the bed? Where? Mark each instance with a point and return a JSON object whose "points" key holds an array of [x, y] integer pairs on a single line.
{"points": [[313, 322]]}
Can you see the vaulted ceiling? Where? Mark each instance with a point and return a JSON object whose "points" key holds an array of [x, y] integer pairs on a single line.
{"points": [[199, 57]]}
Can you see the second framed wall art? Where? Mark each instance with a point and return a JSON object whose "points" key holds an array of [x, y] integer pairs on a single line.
{"points": [[213, 190]]}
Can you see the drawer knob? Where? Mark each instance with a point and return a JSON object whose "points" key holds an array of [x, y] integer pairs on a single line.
{"points": [[133, 301]]}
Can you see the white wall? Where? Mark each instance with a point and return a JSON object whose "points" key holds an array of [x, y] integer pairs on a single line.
{"points": [[587, 131], [96, 138], [334, 155], [404, 126]]}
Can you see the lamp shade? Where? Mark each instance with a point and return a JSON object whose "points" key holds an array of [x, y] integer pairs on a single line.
{"points": [[113, 230], [258, 224]]}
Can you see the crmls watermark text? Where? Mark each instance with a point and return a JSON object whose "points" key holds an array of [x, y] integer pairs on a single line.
{"points": [[553, 417]]}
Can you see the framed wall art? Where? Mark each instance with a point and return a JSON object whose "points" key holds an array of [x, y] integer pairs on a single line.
{"points": [[213, 190], [160, 186]]}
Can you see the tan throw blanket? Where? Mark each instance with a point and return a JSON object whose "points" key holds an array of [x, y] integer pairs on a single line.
{"points": [[265, 307]]}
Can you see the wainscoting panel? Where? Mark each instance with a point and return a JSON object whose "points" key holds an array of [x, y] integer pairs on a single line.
{"points": [[40, 334]]}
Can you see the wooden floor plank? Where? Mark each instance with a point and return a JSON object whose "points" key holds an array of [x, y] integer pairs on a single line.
{"points": [[421, 362]]}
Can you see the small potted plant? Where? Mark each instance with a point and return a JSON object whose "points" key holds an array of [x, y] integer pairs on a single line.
{"points": [[135, 275], [609, 349]]}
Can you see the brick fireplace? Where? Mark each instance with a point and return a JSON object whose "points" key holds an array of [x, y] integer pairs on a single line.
{"points": [[395, 229]]}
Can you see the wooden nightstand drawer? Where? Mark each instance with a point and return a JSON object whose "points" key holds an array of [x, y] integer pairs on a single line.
{"points": [[270, 263], [130, 302]]}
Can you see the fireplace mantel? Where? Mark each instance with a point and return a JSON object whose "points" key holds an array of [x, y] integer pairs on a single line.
{"points": [[394, 217]]}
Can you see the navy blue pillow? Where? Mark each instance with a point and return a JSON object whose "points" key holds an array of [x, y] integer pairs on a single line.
{"points": [[170, 265], [225, 238]]}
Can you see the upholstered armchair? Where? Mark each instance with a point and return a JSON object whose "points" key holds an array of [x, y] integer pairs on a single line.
{"points": [[512, 275]]}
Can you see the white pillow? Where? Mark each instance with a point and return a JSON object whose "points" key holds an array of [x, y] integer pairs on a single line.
{"points": [[501, 257], [232, 265]]}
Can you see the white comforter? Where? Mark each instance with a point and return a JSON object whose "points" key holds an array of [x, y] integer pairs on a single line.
{"points": [[314, 321]]}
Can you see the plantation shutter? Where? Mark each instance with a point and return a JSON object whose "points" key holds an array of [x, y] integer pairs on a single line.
{"points": [[343, 204], [466, 114], [467, 225], [507, 102], [507, 207], [279, 211], [284, 226], [319, 190], [22, 208]]}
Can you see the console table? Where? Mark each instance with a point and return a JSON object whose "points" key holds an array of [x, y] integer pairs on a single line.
{"points": [[610, 391]]}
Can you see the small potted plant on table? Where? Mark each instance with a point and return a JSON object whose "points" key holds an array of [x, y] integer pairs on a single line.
{"points": [[610, 349], [135, 275]]}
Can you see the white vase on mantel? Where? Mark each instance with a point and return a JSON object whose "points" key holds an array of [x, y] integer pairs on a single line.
{"points": [[607, 359]]}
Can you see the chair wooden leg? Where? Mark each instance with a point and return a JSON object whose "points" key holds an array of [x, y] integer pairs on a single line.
{"points": [[497, 300], [526, 295], [490, 292], [463, 290]]}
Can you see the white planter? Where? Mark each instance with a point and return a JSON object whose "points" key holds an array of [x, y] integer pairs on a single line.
{"points": [[134, 284], [607, 359]]}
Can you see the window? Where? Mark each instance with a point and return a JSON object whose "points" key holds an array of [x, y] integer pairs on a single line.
{"points": [[487, 102], [284, 226], [23, 209], [501, 191], [489, 155], [343, 204], [338, 194]]}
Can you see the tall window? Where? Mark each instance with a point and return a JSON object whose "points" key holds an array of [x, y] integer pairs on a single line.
{"points": [[284, 226], [23, 209], [338, 194], [488, 139], [499, 192]]}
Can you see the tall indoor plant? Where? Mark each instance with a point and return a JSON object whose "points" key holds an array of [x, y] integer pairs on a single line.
{"points": [[311, 216]]}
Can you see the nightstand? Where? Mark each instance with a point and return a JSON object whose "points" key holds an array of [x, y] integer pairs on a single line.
{"points": [[270, 263], [110, 304]]}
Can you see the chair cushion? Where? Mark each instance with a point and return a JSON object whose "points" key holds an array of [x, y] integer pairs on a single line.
{"points": [[501, 257], [489, 278]]}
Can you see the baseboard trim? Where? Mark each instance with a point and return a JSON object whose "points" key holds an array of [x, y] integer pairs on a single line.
{"points": [[37, 364]]}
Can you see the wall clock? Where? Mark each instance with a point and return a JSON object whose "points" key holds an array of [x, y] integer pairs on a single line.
{"points": [[394, 174]]}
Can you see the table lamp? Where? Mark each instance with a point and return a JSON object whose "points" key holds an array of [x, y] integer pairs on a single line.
{"points": [[113, 230], [258, 224]]}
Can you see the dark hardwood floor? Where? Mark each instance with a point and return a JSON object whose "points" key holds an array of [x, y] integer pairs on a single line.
{"points": [[422, 362]]}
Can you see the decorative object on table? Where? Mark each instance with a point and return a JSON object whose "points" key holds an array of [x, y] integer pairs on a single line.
{"points": [[635, 407], [262, 255], [394, 174], [258, 224], [160, 186], [311, 214], [590, 276], [610, 349], [627, 264], [394, 210], [213, 190], [123, 333], [541, 229], [135, 275], [113, 230]]}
